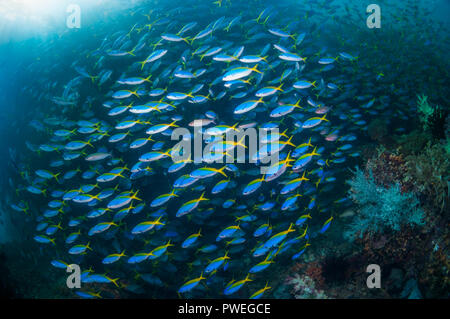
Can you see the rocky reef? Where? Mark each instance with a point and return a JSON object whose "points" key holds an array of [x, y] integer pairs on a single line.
{"points": [[399, 219]]}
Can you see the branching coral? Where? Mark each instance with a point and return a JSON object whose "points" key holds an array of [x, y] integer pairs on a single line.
{"points": [[381, 208]]}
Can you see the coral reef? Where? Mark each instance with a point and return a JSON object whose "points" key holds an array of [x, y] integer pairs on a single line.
{"points": [[424, 109], [377, 130], [412, 143], [7, 285], [400, 221], [436, 276], [433, 118], [429, 170], [388, 168], [304, 287], [414, 260]]}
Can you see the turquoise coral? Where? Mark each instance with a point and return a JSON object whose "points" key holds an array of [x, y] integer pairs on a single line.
{"points": [[380, 208]]}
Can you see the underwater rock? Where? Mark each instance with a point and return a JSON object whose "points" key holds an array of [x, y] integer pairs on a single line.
{"points": [[396, 279], [282, 292], [412, 143], [7, 290], [377, 129]]}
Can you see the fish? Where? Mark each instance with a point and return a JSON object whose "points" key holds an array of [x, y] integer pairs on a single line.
{"points": [[239, 72]]}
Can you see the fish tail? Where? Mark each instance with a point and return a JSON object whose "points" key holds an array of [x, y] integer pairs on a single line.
{"points": [[114, 281], [289, 141], [255, 68], [168, 153], [202, 197], [240, 142], [303, 176], [291, 229], [134, 195], [288, 158], [257, 19], [89, 143], [222, 172]]}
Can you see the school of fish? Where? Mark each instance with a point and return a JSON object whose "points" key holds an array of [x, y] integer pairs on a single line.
{"points": [[105, 193]]}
